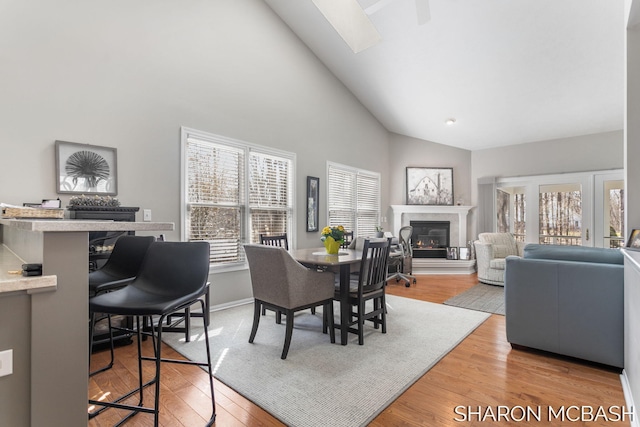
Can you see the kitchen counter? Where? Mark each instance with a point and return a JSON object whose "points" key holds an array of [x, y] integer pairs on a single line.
{"points": [[11, 283], [49, 386]]}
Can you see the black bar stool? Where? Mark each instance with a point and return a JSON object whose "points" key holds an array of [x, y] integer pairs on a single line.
{"points": [[173, 277], [120, 269]]}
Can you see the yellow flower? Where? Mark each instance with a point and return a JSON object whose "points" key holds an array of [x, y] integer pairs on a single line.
{"points": [[336, 233]]}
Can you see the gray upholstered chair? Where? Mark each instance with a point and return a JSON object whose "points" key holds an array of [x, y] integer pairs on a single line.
{"points": [[282, 284], [491, 251]]}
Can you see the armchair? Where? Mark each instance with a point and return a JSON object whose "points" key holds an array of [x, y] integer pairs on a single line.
{"points": [[491, 252], [282, 284]]}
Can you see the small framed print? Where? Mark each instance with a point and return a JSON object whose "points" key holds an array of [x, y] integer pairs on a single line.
{"points": [[452, 253], [634, 240], [313, 188], [86, 169], [463, 253]]}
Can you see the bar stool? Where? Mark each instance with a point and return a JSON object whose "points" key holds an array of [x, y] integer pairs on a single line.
{"points": [[173, 276], [120, 269]]}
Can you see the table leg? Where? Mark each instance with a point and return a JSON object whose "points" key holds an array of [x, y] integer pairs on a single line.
{"points": [[345, 309]]}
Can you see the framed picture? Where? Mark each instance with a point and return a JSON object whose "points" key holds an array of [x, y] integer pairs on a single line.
{"points": [[313, 188], [86, 169], [634, 240], [429, 186], [452, 253], [463, 253]]}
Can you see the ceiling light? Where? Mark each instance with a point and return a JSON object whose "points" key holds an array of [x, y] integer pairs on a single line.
{"points": [[450, 122]]}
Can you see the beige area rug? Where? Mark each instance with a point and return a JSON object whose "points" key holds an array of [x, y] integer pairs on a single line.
{"points": [[324, 384], [481, 297]]}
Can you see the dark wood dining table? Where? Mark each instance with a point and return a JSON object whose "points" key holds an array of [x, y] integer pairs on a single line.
{"points": [[341, 263]]}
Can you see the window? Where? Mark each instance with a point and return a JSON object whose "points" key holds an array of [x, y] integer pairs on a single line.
{"points": [[353, 199], [232, 192]]}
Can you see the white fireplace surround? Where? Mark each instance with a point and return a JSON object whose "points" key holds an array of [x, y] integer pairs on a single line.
{"points": [[456, 215]]}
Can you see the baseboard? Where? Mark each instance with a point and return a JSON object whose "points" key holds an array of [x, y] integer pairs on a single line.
{"points": [[231, 304], [628, 397], [422, 266]]}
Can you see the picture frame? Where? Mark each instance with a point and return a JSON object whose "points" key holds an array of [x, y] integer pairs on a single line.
{"points": [[86, 169], [452, 253], [313, 191], [429, 186], [463, 253], [634, 240]]}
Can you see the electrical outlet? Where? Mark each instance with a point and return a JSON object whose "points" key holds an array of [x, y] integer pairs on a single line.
{"points": [[147, 214], [6, 363]]}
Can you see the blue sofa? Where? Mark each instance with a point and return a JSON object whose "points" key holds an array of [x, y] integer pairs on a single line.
{"points": [[567, 300]]}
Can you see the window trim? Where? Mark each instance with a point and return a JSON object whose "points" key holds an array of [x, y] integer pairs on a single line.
{"points": [[185, 133]]}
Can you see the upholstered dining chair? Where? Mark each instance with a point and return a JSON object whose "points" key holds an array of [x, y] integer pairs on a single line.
{"points": [[282, 284], [369, 285], [173, 276], [119, 270]]}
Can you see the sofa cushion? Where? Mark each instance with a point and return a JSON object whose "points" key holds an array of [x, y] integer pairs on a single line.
{"points": [[498, 263], [501, 251], [573, 253]]}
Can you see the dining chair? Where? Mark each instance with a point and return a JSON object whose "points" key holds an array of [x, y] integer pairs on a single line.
{"points": [[173, 276], [120, 269], [369, 285], [283, 285], [276, 240], [282, 241]]}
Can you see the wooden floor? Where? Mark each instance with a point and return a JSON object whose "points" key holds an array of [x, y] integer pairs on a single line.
{"points": [[481, 375]]}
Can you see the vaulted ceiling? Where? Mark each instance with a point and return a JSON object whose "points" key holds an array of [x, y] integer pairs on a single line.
{"points": [[508, 72]]}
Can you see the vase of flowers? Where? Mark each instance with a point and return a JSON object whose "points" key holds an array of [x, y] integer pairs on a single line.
{"points": [[333, 238]]}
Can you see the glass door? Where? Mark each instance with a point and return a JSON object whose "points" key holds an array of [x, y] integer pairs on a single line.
{"points": [[560, 215], [609, 213]]}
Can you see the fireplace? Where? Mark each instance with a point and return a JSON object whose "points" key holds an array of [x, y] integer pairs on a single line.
{"points": [[430, 239]]}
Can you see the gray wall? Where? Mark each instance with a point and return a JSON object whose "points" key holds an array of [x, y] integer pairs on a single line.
{"points": [[128, 74], [405, 151], [601, 151]]}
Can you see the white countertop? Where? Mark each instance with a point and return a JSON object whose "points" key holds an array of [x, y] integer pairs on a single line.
{"points": [[62, 225], [10, 283]]}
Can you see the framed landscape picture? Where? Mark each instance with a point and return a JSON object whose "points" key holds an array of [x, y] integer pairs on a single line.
{"points": [[86, 169], [429, 186]]}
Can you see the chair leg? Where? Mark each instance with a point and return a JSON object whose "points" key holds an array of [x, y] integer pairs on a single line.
{"points": [[92, 325], [361, 322], [288, 333], [328, 318], [383, 314], [256, 319]]}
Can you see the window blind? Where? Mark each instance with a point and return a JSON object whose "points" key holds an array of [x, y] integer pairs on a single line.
{"points": [[353, 199], [232, 187]]}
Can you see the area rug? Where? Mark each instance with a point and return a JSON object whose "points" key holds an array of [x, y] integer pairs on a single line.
{"points": [[481, 297], [324, 384]]}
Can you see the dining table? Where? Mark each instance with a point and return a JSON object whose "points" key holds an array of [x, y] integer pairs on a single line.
{"points": [[343, 262]]}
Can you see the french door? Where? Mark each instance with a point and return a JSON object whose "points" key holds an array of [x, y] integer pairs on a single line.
{"points": [[583, 209]]}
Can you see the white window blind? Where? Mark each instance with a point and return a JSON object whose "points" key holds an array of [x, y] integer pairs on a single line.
{"points": [[353, 199], [231, 187]]}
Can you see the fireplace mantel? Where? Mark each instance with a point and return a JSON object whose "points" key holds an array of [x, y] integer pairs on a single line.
{"points": [[402, 214]]}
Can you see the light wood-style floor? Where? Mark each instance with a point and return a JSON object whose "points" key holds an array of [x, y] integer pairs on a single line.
{"points": [[483, 373]]}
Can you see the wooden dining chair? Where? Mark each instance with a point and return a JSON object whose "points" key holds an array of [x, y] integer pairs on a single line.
{"points": [[276, 240], [369, 285]]}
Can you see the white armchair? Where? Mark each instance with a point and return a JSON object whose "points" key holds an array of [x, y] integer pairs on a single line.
{"points": [[491, 251]]}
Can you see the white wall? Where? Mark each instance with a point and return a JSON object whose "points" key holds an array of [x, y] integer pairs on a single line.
{"points": [[128, 74], [601, 151]]}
